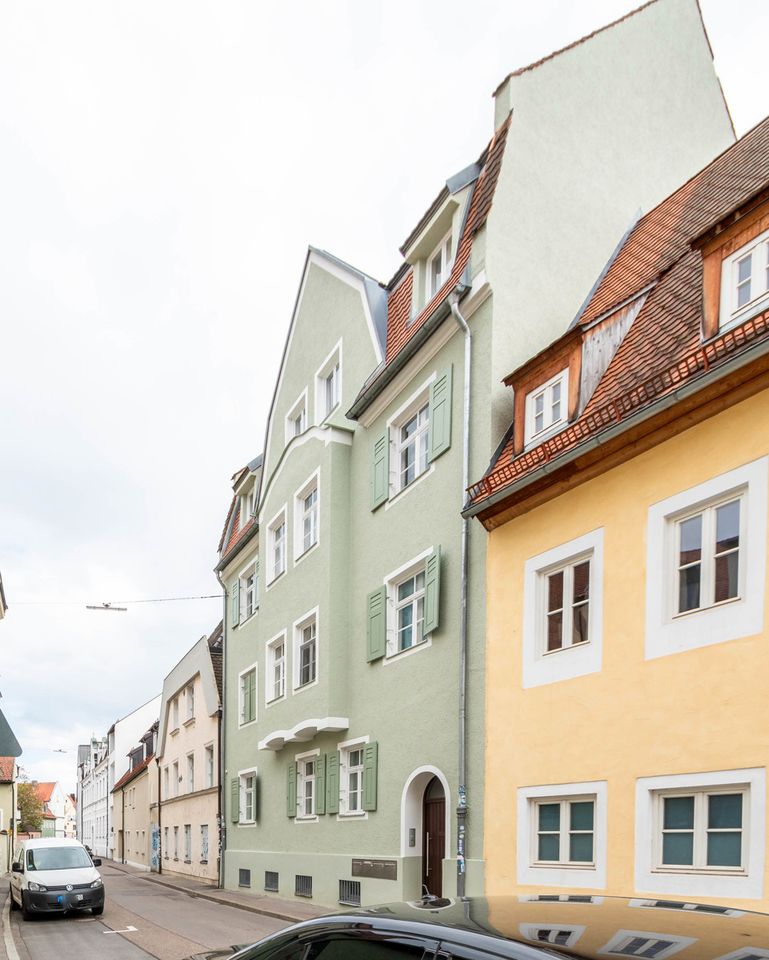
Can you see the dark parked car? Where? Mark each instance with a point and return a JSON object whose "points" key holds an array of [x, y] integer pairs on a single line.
{"points": [[529, 927]]}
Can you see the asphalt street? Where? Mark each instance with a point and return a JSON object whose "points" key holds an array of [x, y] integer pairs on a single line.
{"points": [[169, 925]]}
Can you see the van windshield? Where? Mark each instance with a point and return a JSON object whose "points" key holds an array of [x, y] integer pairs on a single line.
{"points": [[57, 858]]}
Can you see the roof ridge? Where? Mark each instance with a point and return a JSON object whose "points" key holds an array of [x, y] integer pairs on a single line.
{"points": [[570, 46]]}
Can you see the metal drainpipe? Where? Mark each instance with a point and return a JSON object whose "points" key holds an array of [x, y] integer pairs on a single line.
{"points": [[220, 765], [462, 760], [122, 845], [160, 823]]}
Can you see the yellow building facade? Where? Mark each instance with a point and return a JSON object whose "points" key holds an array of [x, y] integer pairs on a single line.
{"points": [[627, 655]]}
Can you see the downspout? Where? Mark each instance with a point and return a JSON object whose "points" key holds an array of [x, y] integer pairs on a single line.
{"points": [[222, 727], [160, 823], [122, 821], [464, 562]]}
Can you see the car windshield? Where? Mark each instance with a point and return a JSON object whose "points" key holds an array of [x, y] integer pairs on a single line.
{"points": [[57, 858]]}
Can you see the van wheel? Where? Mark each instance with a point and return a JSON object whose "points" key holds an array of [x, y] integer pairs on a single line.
{"points": [[24, 911], [14, 905], [97, 911]]}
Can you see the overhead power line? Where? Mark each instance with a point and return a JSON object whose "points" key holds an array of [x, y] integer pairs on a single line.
{"points": [[112, 605]]}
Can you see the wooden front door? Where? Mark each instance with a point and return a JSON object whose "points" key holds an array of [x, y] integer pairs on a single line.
{"points": [[433, 837]]}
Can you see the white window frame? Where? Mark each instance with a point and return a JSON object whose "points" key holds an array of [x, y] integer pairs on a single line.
{"points": [[204, 840], [243, 775], [175, 777], [392, 581], [312, 483], [667, 633], [531, 931], [688, 882], [550, 425], [269, 689], [246, 506], [730, 314], [612, 948], [190, 778], [176, 842], [334, 359], [344, 749], [561, 875], [683, 907], [746, 953], [445, 250], [189, 701], [280, 518], [299, 625], [252, 668], [300, 759], [543, 667], [248, 610], [188, 843], [564, 831], [210, 765], [175, 713], [297, 418], [395, 421]]}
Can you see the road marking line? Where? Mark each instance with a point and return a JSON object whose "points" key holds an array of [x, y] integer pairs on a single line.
{"points": [[10, 946], [128, 929]]}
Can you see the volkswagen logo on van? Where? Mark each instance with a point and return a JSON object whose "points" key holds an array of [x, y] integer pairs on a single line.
{"points": [[70, 887]]}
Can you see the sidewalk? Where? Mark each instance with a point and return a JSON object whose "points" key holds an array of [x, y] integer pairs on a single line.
{"points": [[289, 910]]}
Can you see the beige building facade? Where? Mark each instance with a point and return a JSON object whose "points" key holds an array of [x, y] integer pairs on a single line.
{"points": [[188, 761], [135, 805]]}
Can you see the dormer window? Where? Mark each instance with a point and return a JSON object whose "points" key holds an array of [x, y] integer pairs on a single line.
{"points": [[439, 266], [546, 407], [328, 384], [745, 282], [247, 507]]}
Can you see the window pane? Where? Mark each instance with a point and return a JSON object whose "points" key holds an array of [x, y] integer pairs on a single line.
{"points": [[555, 591], [582, 815], [725, 849], [581, 581], [689, 588], [405, 589], [580, 628], [691, 540], [728, 526], [727, 575], [679, 813], [554, 631], [725, 810], [549, 816], [678, 849], [548, 847], [581, 847]]}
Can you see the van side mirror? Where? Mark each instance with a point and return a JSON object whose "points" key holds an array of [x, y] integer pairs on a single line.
{"points": [[96, 862], [17, 868]]}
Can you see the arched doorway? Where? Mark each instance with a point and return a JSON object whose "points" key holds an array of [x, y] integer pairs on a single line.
{"points": [[433, 837]]}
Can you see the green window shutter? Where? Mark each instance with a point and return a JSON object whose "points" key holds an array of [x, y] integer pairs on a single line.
{"points": [[332, 782], [433, 591], [291, 791], [380, 469], [370, 752], [235, 799], [440, 414], [235, 593], [320, 784], [376, 613]]}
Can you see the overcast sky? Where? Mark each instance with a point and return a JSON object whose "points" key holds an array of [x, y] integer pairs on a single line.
{"points": [[164, 167]]}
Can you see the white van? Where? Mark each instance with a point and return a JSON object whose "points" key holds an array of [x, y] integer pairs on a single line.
{"points": [[53, 875]]}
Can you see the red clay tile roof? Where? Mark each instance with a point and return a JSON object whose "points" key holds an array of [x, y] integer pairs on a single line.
{"points": [[44, 790], [7, 769], [132, 774], [400, 329], [663, 347]]}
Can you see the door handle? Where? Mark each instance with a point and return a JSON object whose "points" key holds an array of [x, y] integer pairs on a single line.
{"points": [[427, 854]]}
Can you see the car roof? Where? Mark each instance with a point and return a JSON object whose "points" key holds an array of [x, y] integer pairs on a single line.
{"points": [[52, 842], [513, 926]]}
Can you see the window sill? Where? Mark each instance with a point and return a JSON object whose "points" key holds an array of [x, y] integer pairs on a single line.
{"points": [[312, 819], [188, 861], [246, 823], [306, 686], [271, 703], [204, 861], [172, 733], [305, 553], [189, 722], [699, 872], [398, 495], [415, 648], [275, 579], [354, 815], [531, 442], [246, 723]]}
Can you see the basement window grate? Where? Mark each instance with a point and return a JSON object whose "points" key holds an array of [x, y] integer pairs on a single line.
{"points": [[349, 892], [271, 881], [244, 878], [303, 886]]}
